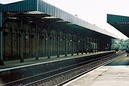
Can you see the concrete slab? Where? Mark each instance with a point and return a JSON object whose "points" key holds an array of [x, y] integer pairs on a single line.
{"points": [[113, 74]]}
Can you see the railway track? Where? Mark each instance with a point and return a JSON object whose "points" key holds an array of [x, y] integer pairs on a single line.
{"points": [[62, 75], [65, 76]]}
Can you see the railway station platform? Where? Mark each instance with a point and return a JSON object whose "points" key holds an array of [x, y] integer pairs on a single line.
{"points": [[32, 61], [115, 73]]}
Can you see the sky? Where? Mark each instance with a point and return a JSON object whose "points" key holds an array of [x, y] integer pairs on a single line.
{"points": [[92, 11]]}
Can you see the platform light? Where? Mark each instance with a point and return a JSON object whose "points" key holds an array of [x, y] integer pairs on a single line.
{"points": [[30, 21], [12, 17], [50, 17], [61, 39], [26, 37], [46, 38], [34, 12]]}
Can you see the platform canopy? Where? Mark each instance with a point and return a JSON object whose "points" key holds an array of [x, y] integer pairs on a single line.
{"points": [[49, 11], [121, 23]]}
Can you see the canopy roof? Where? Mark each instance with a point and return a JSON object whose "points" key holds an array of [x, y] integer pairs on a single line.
{"points": [[46, 10], [121, 23]]}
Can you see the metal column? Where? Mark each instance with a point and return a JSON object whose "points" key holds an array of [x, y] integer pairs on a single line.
{"points": [[1, 40], [21, 44], [37, 42]]}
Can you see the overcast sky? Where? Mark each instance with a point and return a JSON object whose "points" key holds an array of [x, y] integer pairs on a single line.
{"points": [[93, 11]]}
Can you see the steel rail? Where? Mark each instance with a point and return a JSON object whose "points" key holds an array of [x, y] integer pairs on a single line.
{"points": [[48, 72], [92, 61]]}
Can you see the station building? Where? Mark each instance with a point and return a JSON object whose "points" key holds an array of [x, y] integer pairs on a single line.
{"points": [[34, 28]]}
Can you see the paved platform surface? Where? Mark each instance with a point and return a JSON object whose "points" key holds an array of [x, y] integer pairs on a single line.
{"points": [[113, 74]]}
